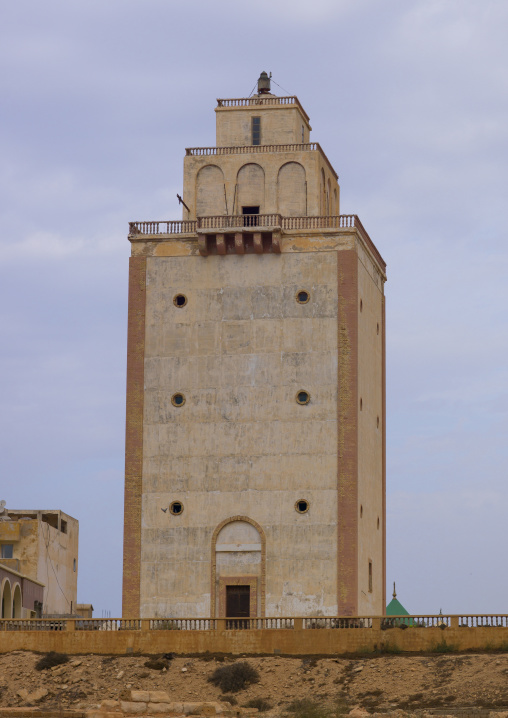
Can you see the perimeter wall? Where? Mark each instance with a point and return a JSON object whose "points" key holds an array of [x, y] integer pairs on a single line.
{"points": [[284, 641]]}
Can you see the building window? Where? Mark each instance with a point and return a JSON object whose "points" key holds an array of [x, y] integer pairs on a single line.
{"points": [[179, 300], [370, 576], [303, 134], [303, 397], [176, 508], [7, 550], [256, 130], [302, 297], [178, 399], [63, 526], [302, 506]]}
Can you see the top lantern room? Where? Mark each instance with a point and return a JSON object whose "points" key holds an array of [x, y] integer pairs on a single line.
{"points": [[263, 119]]}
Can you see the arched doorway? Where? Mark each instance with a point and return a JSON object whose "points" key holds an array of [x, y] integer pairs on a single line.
{"points": [[6, 599], [238, 569]]}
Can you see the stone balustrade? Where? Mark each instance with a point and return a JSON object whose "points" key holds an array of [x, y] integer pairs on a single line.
{"points": [[262, 100], [248, 149]]}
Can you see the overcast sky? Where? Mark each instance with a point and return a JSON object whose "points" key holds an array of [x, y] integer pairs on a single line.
{"points": [[408, 99]]}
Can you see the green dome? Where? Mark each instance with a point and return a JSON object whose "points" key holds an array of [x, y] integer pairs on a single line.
{"points": [[395, 607]]}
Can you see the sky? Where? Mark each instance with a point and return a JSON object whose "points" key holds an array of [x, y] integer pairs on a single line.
{"points": [[408, 98]]}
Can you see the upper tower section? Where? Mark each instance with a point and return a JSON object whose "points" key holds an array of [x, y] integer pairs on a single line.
{"points": [[263, 163], [263, 119]]}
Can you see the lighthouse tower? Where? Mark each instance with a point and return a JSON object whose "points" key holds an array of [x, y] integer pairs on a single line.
{"points": [[255, 451]]}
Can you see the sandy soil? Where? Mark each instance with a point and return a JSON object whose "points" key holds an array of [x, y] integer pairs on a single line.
{"points": [[384, 683]]}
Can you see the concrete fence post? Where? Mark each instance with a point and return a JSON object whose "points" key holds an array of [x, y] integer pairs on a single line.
{"points": [[220, 624], [145, 624], [454, 621], [376, 623], [70, 624], [298, 624]]}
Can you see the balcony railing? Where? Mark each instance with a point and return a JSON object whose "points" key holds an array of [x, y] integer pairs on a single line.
{"points": [[250, 149], [239, 220], [164, 227], [263, 100], [246, 220]]}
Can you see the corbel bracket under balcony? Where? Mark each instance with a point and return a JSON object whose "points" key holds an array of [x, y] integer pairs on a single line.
{"points": [[239, 243]]}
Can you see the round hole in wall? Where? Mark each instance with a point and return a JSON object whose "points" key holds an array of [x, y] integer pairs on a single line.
{"points": [[179, 300], [176, 508], [302, 297], [361, 404], [302, 506], [178, 399], [361, 511], [303, 397]]}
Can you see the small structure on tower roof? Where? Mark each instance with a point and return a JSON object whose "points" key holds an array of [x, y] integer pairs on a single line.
{"points": [[264, 83]]}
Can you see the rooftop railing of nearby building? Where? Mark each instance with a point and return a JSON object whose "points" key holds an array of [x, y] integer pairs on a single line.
{"points": [[251, 149], [262, 100], [255, 221], [273, 623]]}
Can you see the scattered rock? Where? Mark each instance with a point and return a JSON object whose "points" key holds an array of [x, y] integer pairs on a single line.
{"points": [[358, 712], [58, 670], [37, 695], [157, 664]]}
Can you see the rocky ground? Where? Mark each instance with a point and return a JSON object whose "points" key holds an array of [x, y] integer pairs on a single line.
{"points": [[386, 683]]}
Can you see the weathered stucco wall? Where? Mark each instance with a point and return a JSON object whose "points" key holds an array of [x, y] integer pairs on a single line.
{"points": [[239, 351], [57, 552], [370, 437], [279, 125]]}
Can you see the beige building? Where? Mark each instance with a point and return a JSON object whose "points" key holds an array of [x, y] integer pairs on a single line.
{"points": [[255, 443], [43, 546]]}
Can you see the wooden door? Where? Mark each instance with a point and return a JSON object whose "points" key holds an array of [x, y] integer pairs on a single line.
{"points": [[237, 601]]}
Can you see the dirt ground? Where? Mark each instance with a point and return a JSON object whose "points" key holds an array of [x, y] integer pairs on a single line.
{"points": [[378, 684]]}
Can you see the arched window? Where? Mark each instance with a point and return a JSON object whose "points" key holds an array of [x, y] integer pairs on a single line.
{"points": [[292, 190], [210, 199]]}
